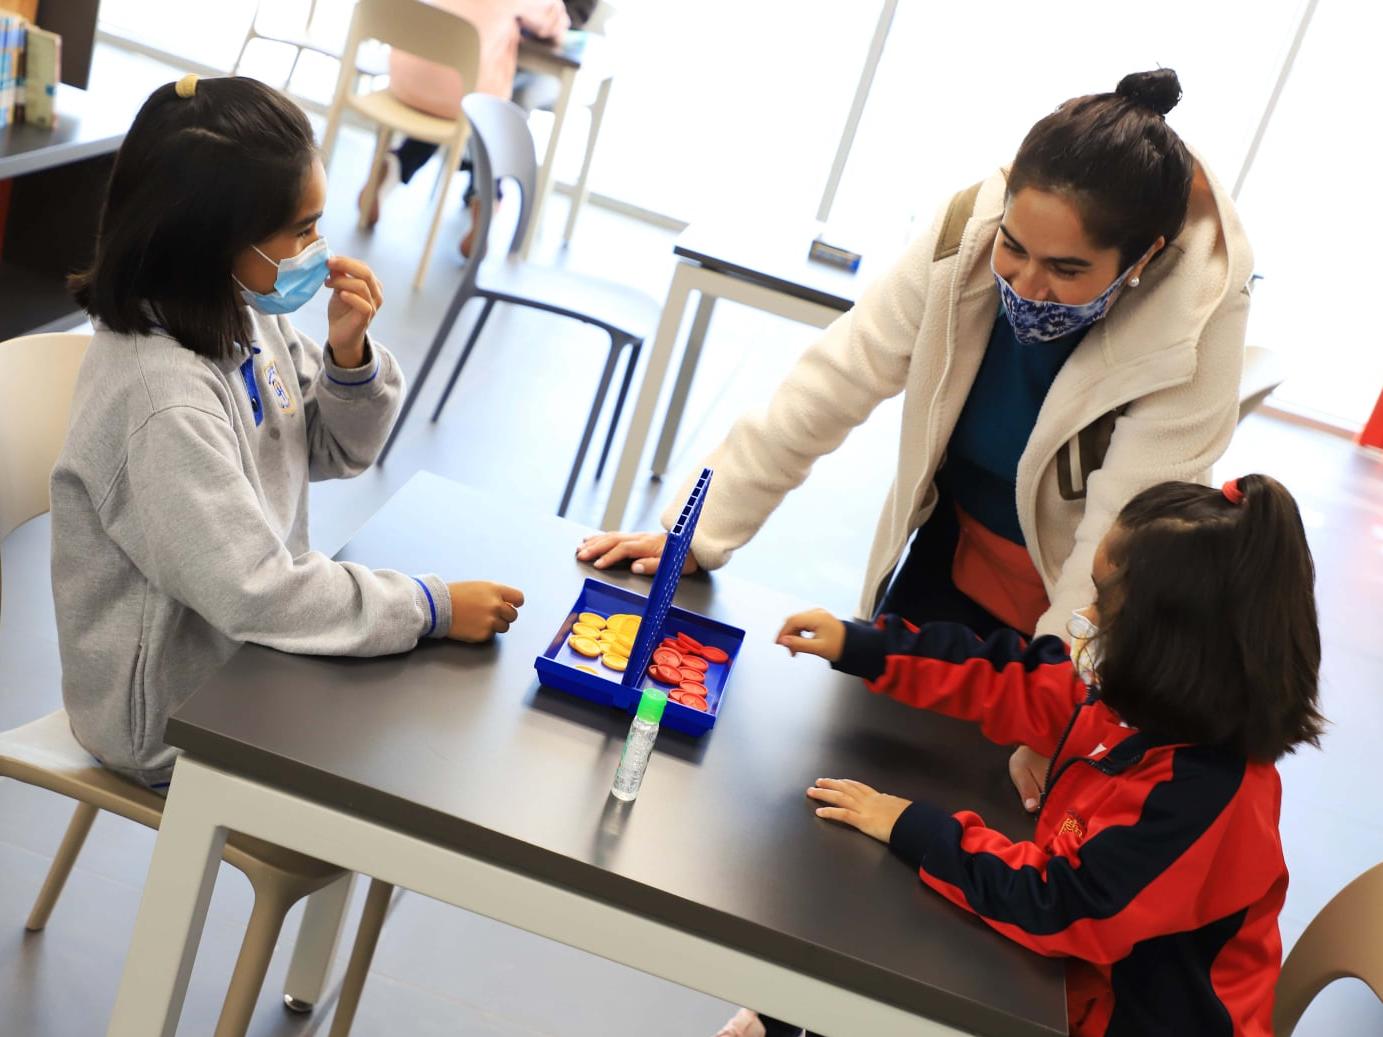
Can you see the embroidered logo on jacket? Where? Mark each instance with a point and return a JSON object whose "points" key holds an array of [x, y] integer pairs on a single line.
{"points": [[278, 389], [1071, 825]]}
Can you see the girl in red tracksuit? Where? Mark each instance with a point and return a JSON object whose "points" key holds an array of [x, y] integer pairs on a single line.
{"points": [[1156, 864]]}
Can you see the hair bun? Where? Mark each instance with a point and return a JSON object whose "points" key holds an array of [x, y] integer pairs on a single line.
{"points": [[1158, 90]]}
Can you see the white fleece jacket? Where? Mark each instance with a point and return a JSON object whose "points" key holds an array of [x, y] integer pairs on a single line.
{"points": [[1150, 394]]}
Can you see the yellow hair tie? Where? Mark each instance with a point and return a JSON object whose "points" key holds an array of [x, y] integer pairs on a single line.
{"points": [[187, 85]]}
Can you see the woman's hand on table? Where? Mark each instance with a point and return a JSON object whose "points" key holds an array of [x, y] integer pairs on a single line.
{"points": [[813, 633], [1028, 768], [642, 550], [481, 609], [856, 804]]}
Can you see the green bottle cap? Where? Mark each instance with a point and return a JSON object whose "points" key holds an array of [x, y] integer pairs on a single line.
{"points": [[652, 704]]}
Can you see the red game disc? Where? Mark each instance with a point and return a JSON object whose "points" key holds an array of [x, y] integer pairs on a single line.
{"points": [[689, 641], [714, 654], [667, 657], [664, 675], [692, 688], [691, 662], [695, 702], [688, 674]]}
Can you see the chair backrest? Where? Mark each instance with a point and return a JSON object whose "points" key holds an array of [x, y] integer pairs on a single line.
{"points": [[503, 149], [410, 25], [1341, 941], [33, 422], [421, 29]]}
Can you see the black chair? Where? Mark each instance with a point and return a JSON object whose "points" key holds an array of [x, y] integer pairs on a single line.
{"points": [[503, 148]]}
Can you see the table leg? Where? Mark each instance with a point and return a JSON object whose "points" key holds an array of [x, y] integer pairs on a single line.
{"points": [[315, 950], [548, 168], [642, 418], [583, 186], [691, 356], [172, 912]]}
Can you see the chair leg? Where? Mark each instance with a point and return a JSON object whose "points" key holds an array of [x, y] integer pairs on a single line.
{"points": [[72, 841], [382, 140], [634, 349], [266, 920], [597, 405], [462, 295], [465, 355], [366, 939], [449, 157]]}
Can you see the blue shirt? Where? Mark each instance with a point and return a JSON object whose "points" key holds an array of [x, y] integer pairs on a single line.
{"points": [[996, 423]]}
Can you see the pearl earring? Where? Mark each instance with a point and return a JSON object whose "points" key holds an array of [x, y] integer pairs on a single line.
{"points": [[1133, 282]]}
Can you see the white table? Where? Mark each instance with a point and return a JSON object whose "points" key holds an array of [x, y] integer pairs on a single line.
{"points": [[447, 771], [748, 262]]}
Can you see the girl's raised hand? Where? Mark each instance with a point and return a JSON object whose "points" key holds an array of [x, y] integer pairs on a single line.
{"points": [[813, 633], [356, 297], [857, 805]]}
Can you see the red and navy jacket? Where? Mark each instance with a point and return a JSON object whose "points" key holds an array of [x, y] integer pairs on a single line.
{"points": [[1156, 866]]}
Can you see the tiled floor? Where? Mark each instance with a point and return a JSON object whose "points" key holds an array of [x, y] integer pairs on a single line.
{"points": [[511, 427]]}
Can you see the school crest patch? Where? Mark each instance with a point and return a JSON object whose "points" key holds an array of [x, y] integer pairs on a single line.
{"points": [[278, 390]]}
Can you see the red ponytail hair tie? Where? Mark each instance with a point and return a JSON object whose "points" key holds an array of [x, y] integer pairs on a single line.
{"points": [[1232, 492]]}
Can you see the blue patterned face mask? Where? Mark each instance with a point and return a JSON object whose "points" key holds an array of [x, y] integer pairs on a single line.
{"points": [[300, 277], [1035, 322]]}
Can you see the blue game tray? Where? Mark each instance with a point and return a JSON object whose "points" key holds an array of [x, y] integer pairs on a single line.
{"points": [[563, 669]]}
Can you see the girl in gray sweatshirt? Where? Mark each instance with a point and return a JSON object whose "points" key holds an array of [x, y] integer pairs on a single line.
{"points": [[179, 502]]}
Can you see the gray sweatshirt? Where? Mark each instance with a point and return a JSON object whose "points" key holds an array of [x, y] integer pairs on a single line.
{"points": [[179, 512]]}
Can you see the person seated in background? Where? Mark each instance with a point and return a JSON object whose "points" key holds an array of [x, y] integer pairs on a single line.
{"points": [[437, 90]]}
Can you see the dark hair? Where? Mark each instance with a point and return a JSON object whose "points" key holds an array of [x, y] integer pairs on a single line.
{"points": [[197, 180], [1127, 172], [1208, 629]]}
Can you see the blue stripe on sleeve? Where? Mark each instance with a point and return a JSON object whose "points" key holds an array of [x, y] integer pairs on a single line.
{"points": [[431, 605]]}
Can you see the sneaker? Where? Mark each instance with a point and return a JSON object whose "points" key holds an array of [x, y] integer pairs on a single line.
{"points": [[744, 1024], [386, 176]]}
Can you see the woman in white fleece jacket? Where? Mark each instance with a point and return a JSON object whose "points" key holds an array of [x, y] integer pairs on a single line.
{"points": [[1067, 333]]}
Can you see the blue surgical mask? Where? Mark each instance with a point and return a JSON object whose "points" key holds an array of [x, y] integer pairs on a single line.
{"points": [[1035, 322], [299, 279]]}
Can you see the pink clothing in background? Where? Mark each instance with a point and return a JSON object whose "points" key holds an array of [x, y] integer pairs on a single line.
{"points": [[436, 89]]}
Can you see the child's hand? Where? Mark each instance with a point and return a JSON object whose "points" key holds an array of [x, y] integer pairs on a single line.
{"points": [[355, 299], [852, 803], [813, 633], [1028, 768], [481, 609]]}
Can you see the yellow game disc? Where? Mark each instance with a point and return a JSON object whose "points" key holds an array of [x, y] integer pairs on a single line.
{"points": [[625, 646], [613, 661], [587, 669], [585, 630], [586, 646], [592, 619]]}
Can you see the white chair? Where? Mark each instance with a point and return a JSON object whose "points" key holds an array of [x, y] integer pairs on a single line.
{"points": [[368, 64], [429, 33], [1344, 940], [45, 754]]}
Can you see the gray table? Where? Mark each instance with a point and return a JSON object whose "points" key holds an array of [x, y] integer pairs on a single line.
{"points": [[450, 771], [56, 184], [752, 261]]}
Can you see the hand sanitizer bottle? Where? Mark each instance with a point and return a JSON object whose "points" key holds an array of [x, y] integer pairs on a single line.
{"points": [[639, 745]]}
